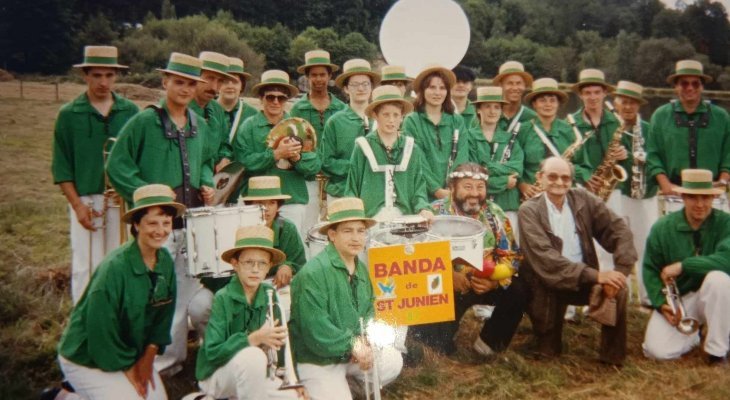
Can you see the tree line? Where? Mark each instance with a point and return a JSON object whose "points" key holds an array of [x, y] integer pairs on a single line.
{"points": [[629, 39]]}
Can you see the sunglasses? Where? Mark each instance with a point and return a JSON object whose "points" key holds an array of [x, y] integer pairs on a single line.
{"points": [[686, 84], [554, 177], [272, 97]]}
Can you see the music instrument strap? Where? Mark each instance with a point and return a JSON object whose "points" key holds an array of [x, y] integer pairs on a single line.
{"points": [[507, 154], [547, 142], [234, 125], [693, 125]]}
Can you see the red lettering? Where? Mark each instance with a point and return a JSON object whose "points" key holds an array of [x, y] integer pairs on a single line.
{"points": [[379, 270], [439, 265]]}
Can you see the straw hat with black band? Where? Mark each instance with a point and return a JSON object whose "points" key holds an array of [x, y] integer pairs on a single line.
{"points": [[689, 68], [100, 56], [512, 68], [265, 188], [345, 209], [255, 237], [444, 72], [317, 58], [183, 65], [154, 195], [356, 66], [698, 181], [546, 86], [273, 78], [631, 90], [386, 94], [590, 77]]}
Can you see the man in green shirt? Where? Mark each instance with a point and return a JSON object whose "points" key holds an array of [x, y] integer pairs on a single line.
{"points": [[465, 78], [515, 82], [688, 132], [214, 73], [230, 99], [84, 133], [690, 250], [167, 145], [243, 336], [123, 318], [332, 297]]}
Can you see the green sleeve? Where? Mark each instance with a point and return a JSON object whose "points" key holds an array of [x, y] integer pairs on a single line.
{"points": [[651, 268], [499, 173], [655, 164], [121, 166], [725, 160], [358, 163], [308, 165], [291, 244], [331, 165], [220, 345], [248, 152], [583, 168], [420, 194], [62, 165], [717, 261]]}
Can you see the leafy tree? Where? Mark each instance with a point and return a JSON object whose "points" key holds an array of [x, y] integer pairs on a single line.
{"points": [[353, 45], [97, 30], [655, 59], [167, 10], [667, 23], [706, 25]]}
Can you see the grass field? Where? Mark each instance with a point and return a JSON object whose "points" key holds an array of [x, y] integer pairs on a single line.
{"points": [[35, 303]]}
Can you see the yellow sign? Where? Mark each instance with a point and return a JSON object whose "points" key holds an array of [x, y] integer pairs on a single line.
{"points": [[413, 283]]}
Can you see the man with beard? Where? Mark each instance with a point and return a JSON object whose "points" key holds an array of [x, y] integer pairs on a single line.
{"points": [[468, 184], [557, 232]]}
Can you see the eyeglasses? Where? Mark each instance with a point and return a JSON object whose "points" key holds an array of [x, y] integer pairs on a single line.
{"points": [[250, 264], [272, 97], [361, 85], [686, 84], [554, 177]]}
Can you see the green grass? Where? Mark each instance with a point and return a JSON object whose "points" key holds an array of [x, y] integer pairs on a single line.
{"points": [[35, 303]]}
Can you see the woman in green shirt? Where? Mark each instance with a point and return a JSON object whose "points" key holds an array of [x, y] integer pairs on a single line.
{"points": [[123, 318]]}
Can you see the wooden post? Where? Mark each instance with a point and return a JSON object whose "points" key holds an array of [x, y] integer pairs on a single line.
{"points": [[57, 99]]}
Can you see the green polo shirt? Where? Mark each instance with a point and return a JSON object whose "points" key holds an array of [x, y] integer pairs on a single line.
{"points": [[232, 319], [304, 109], [489, 154], [336, 147], [327, 304], [126, 307], [215, 116], [672, 239], [79, 138], [410, 185], [528, 114], [560, 134], [251, 150], [436, 141], [668, 144], [143, 155]]}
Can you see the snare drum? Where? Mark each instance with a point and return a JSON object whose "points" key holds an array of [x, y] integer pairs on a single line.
{"points": [[465, 234], [670, 204], [210, 232], [316, 242]]}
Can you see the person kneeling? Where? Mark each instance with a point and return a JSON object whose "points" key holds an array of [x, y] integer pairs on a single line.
{"points": [[239, 340]]}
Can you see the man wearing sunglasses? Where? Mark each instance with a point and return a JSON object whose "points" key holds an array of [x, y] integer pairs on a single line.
{"points": [[688, 132], [557, 232]]}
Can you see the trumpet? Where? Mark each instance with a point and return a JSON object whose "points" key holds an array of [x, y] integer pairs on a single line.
{"points": [[287, 374], [687, 325], [373, 386]]}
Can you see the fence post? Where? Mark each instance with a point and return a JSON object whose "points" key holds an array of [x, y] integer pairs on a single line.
{"points": [[21, 88], [57, 99]]}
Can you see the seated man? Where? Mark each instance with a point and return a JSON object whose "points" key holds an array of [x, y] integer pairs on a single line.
{"points": [[690, 249], [557, 229], [241, 337], [468, 188], [331, 295]]}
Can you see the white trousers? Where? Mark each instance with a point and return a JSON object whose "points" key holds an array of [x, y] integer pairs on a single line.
{"points": [[202, 303], [512, 215], [93, 383], [89, 248], [244, 377], [605, 259], [710, 306], [311, 213], [176, 352], [329, 382], [640, 214], [296, 214]]}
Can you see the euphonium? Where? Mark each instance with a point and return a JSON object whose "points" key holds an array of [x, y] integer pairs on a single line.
{"points": [[687, 325], [610, 173], [287, 374]]}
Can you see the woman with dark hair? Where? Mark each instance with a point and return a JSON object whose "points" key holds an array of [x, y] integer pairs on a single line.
{"points": [[123, 318], [438, 131]]}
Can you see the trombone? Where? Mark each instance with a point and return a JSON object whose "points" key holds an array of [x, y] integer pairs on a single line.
{"points": [[287, 374], [686, 325]]}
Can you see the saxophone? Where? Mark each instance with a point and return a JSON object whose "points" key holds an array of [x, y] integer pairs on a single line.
{"points": [[638, 178], [610, 173]]}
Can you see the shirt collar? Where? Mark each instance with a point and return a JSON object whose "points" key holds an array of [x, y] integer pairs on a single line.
{"points": [[683, 226], [260, 299], [261, 120], [135, 258], [81, 104]]}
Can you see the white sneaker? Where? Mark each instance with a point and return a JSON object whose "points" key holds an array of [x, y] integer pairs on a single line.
{"points": [[483, 348], [483, 312], [570, 314]]}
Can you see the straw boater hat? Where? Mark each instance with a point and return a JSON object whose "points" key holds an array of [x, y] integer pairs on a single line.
{"points": [[153, 195], [591, 76], [546, 86], [512, 68], [215, 62], [275, 77], [100, 56], [489, 94], [265, 188], [345, 209], [689, 68], [183, 65], [235, 67], [393, 73], [631, 90], [255, 237], [356, 66], [697, 181], [445, 72], [387, 94], [317, 58]]}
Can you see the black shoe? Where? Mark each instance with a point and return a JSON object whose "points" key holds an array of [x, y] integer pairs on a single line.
{"points": [[715, 361], [50, 393]]}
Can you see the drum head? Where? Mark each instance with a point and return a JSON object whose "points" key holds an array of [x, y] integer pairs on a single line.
{"points": [[452, 226], [385, 237]]}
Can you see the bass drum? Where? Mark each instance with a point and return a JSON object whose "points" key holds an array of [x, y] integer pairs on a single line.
{"points": [[211, 231], [466, 236]]}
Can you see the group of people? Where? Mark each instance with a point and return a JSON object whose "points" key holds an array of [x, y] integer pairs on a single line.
{"points": [[545, 189]]}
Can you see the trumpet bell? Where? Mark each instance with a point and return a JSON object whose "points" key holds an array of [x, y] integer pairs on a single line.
{"points": [[688, 326]]}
